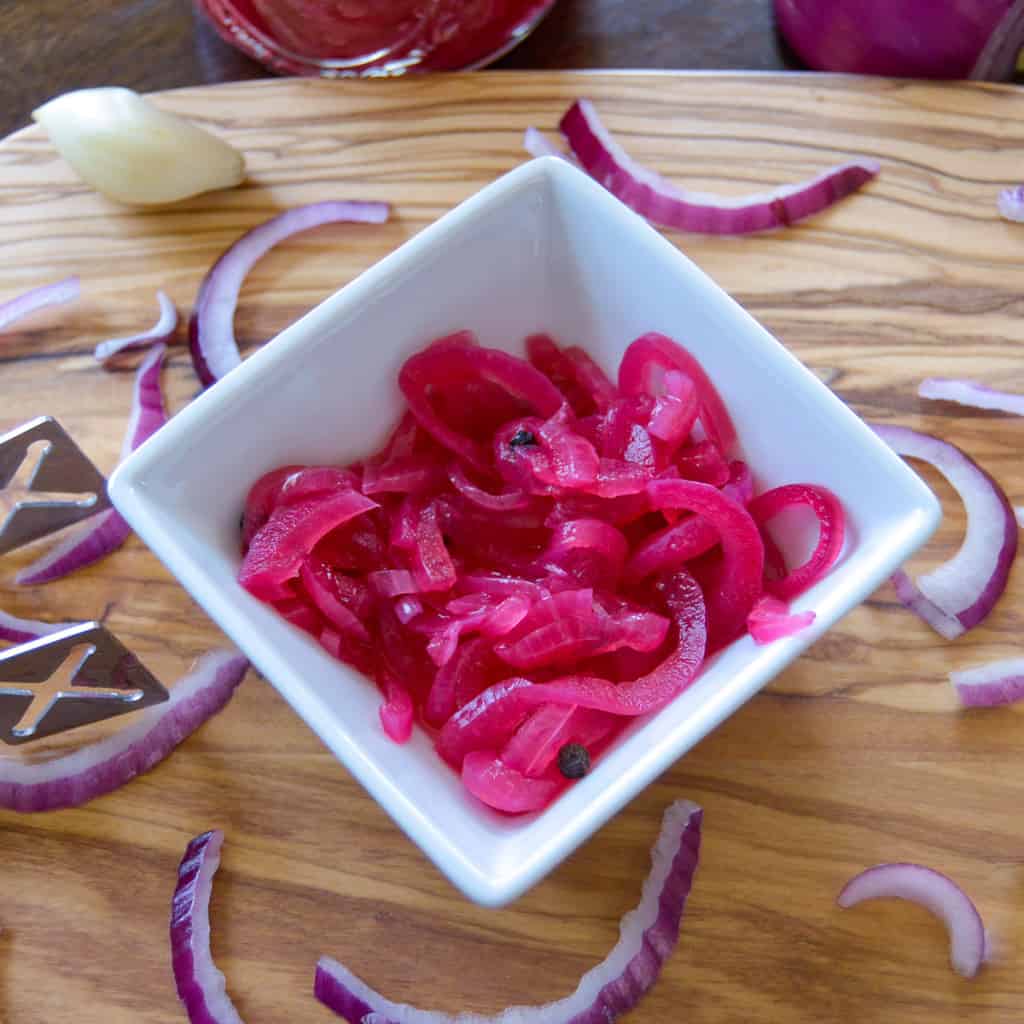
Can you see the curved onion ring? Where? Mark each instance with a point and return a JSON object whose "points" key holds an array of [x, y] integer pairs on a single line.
{"points": [[55, 294], [201, 986], [934, 891], [211, 331], [998, 682], [661, 203], [647, 936], [958, 594], [162, 332], [102, 767], [97, 536]]}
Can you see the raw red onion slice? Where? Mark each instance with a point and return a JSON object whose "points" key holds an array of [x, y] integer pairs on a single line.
{"points": [[102, 767], [770, 619], [201, 986], [647, 936], [970, 392], [162, 332], [536, 143], [19, 631], [1010, 203], [96, 537], [55, 294], [661, 203], [987, 686], [934, 891], [211, 331], [963, 590]]}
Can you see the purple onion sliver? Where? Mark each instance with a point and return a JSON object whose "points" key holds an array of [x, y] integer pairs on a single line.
{"points": [[967, 586], [937, 893], [970, 392], [102, 767], [20, 631], [1010, 203], [84, 544], [987, 686], [648, 934], [537, 144], [200, 984], [54, 294], [651, 196], [161, 332], [96, 537], [211, 327]]}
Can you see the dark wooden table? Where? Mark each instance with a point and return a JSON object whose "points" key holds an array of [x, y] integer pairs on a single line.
{"points": [[50, 46]]}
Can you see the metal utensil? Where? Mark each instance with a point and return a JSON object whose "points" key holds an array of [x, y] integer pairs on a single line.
{"points": [[61, 488], [81, 674]]}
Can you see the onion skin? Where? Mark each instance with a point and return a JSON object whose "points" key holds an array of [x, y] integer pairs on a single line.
{"points": [[647, 936], [897, 38], [988, 686]]}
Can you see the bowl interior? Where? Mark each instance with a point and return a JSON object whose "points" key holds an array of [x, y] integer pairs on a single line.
{"points": [[544, 248]]}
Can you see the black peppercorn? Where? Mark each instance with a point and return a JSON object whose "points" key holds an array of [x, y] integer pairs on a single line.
{"points": [[573, 760], [521, 438]]}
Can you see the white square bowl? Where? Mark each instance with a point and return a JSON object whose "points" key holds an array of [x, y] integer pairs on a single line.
{"points": [[543, 248]]}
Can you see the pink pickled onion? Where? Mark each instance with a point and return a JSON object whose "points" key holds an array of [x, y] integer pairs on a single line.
{"points": [[934, 891], [55, 294], [493, 714], [831, 532], [201, 986], [647, 936], [740, 579], [998, 682], [970, 392], [211, 331], [100, 768], [652, 354], [162, 332], [96, 537], [661, 203], [498, 785], [770, 619], [517, 378], [959, 594]]}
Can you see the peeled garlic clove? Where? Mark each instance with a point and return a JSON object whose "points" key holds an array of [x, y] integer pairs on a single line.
{"points": [[131, 151]]}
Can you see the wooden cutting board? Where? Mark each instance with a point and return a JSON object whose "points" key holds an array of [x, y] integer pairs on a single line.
{"points": [[856, 754]]}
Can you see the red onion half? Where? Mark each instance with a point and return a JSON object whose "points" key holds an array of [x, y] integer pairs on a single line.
{"points": [[39, 298], [102, 767], [162, 332], [201, 986], [934, 891], [647, 935], [96, 537], [959, 594], [211, 331], [667, 206], [987, 686]]}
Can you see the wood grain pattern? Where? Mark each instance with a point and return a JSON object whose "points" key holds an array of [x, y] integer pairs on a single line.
{"points": [[855, 755]]}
